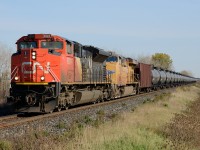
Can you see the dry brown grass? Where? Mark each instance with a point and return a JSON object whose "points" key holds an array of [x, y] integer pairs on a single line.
{"points": [[147, 120], [185, 128]]}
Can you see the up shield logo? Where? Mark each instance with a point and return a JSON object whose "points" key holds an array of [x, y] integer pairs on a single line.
{"points": [[109, 72]]}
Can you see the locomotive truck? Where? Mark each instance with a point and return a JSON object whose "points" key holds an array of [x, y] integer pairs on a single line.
{"points": [[49, 73]]}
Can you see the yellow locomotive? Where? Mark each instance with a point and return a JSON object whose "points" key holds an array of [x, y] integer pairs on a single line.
{"points": [[120, 71]]}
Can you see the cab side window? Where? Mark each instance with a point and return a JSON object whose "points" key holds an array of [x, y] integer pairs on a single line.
{"points": [[84, 53], [119, 60], [112, 59], [77, 50], [69, 48]]}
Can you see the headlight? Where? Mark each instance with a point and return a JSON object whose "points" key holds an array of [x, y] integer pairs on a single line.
{"points": [[33, 57], [16, 78], [42, 78], [33, 53]]}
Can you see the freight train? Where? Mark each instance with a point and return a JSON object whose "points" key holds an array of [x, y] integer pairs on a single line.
{"points": [[49, 73]]}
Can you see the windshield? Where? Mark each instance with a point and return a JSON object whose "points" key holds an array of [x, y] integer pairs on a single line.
{"points": [[52, 45], [112, 59], [24, 45]]}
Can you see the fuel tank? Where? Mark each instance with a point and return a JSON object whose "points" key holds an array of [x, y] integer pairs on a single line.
{"points": [[82, 97], [128, 91]]}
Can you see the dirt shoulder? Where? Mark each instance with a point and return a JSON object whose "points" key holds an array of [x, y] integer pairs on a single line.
{"points": [[184, 130]]}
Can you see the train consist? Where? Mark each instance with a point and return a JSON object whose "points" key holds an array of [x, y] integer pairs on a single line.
{"points": [[49, 72]]}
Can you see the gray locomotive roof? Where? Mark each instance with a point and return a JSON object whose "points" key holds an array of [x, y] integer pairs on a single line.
{"points": [[72, 42], [96, 50]]}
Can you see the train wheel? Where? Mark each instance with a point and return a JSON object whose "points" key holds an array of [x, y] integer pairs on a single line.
{"points": [[65, 107], [58, 109], [51, 112], [138, 91]]}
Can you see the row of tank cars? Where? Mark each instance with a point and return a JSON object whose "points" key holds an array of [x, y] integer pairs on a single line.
{"points": [[167, 78], [153, 78], [49, 72]]}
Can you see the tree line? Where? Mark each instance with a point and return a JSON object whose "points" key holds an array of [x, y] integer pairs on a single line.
{"points": [[5, 61], [161, 60]]}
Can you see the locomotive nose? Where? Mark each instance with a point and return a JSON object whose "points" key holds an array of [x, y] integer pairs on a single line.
{"points": [[32, 69], [28, 58], [35, 66]]}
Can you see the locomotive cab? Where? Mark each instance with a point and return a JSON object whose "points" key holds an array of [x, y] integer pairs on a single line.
{"points": [[35, 69], [37, 56]]}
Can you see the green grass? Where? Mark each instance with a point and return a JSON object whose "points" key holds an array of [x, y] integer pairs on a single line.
{"points": [[141, 139], [5, 145], [61, 125]]}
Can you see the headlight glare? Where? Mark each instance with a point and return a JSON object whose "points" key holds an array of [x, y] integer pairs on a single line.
{"points": [[16, 78], [42, 78], [33, 57], [33, 53]]}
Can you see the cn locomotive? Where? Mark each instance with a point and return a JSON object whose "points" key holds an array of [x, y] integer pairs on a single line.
{"points": [[49, 73]]}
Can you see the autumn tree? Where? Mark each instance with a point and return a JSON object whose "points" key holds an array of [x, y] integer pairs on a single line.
{"points": [[5, 55], [162, 60], [187, 73]]}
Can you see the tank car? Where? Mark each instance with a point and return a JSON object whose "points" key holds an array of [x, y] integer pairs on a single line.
{"points": [[155, 77]]}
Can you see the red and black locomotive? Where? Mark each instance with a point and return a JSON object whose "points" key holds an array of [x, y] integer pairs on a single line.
{"points": [[50, 72]]}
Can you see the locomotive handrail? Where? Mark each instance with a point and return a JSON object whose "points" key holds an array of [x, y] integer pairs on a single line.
{"points": [[13, 72], [54, 75]]}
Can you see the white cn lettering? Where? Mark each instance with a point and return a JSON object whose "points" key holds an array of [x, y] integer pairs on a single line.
{"points": [[35, 64]]}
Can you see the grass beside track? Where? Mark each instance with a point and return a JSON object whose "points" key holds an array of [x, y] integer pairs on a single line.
{"points": [[143, 128]]}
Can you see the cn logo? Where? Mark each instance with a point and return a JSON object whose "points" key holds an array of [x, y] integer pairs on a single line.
{"points": [[27, 65]]}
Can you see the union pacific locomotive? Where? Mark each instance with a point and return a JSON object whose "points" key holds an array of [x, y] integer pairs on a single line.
{"points": [[49, 72]]}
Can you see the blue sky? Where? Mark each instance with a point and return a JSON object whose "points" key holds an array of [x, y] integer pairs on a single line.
{"points": [[130, 27]]}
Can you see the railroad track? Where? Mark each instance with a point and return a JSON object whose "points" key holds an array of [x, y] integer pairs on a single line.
{"points": [[8, 119], [14, 120]]}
